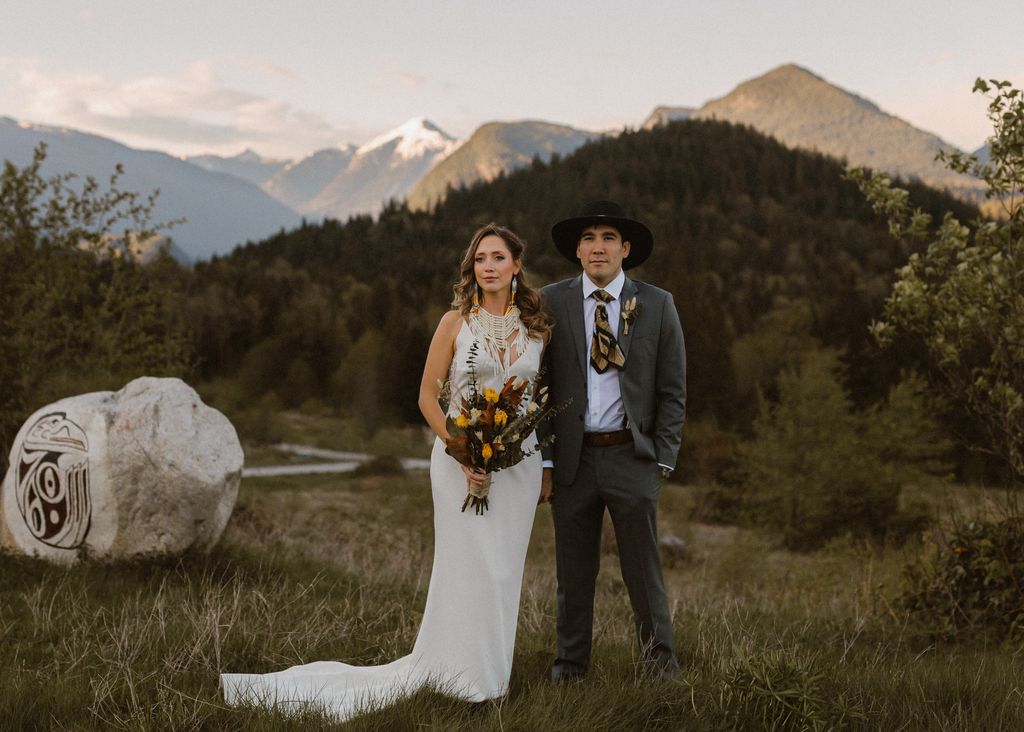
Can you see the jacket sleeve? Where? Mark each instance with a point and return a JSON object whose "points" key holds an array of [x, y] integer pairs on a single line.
{"points": [[670, 386]]}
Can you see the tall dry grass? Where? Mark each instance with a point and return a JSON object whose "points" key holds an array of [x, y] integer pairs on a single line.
{"points": [[337, 568]]}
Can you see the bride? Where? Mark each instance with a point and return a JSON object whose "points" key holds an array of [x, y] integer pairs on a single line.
{"points": [[464, 646]]}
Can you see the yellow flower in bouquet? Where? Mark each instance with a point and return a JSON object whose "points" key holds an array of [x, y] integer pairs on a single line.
{"points": [[488, 428]]}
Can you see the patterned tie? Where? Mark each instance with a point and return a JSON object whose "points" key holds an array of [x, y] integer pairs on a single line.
{"points": [[604, 350]]}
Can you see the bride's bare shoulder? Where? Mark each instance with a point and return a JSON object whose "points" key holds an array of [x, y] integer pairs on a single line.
{"points": [[450, 323], [450, 319]]}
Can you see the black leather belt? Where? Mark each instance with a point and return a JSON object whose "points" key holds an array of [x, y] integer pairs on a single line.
{"points": [[605, 439]]}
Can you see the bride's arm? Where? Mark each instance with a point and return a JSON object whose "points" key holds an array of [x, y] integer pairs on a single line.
{"points": [[439, 359]]}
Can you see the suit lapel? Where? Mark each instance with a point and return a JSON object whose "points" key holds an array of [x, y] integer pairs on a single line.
{"points": [[628, 291], [574, 304]]}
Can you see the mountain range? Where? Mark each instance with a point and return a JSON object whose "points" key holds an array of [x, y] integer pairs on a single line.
{"points": [[800, 109], [345, 180], [383, 169], [229, 200], [496, 148], [247, 165], [417, 162], [220, 210], [299, 182]]}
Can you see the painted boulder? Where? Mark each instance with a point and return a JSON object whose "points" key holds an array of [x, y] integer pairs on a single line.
{"points": [[148, 469]]}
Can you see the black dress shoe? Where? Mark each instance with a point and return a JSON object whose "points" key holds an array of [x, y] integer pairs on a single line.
{"points": [[564, 673]]}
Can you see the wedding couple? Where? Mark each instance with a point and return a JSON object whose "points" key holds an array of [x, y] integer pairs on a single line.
{"points": [[613, 348]]}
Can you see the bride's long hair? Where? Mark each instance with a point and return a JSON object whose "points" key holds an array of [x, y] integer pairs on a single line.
{"points": [[538, 323]]}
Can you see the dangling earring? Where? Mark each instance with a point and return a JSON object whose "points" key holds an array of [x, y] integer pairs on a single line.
{"points": [[476, 299], [515, 289]]}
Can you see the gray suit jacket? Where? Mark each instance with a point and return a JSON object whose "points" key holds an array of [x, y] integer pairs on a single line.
{"points": [[653, 381]]}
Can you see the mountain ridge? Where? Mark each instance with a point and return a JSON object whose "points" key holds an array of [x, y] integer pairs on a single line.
{"points": [[801, 109], [220, 209], [248, 165], [385, 168], [495, 148]]}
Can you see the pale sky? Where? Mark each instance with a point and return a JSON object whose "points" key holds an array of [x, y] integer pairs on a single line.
{"points": [[289, 78]]}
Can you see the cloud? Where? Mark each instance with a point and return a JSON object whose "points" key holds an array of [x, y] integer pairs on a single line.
{"points": [[408, 79], [190, 113]]}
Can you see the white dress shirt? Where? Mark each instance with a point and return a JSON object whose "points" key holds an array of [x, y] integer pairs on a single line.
{"points": [[605, 412]]}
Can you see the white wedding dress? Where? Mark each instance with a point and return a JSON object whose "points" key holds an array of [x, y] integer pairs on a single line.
{"points": [[464, 646]]}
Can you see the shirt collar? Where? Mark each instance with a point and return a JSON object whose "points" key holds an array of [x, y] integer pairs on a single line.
{"points": [[613, 288]]}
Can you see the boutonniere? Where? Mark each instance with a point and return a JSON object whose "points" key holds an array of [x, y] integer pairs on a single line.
{"points": [[629, 312]]}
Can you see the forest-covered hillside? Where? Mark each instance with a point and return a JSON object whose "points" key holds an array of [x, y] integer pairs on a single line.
{"points": [[767, 250]]}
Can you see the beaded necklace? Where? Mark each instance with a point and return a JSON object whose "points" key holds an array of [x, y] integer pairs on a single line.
{"points": [[496, 331]]}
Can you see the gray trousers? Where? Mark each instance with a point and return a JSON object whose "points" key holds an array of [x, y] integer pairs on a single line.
{"points": [[614, 478]]}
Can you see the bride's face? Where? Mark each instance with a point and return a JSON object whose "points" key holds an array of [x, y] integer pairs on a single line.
{"points": [[493, 265]]}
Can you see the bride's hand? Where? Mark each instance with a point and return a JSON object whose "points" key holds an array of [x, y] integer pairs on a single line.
{"points": [[477, 476]]}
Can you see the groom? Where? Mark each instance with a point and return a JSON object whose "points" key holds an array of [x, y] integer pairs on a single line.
{"points": [[617, 353]]}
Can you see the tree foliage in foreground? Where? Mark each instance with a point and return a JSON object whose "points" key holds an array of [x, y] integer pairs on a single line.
{"points": [[817, 468], [77, 313], [962, 298]]}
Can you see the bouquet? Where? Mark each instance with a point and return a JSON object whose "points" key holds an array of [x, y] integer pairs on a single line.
{"points": [[490, 427]]}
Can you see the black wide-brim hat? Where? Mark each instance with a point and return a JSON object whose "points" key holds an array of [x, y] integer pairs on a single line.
{"points": [[566, 234]]}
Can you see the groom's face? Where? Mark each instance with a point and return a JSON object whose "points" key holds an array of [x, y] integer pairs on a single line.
{"points": [[601, 251]]}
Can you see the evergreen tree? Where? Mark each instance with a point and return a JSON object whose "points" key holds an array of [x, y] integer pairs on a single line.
{"points": [[818, 469]]}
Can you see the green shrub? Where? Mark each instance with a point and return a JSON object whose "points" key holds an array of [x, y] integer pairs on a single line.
{"points": [[77, 312], [816, 469], [971, 585], [960, 298]]}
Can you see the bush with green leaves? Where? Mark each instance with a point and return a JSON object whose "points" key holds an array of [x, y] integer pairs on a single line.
{"points": [[77, 312], [962, 298], [972, 584], [817, 469]]}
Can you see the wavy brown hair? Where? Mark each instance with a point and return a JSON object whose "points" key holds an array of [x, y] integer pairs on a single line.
{"points": [[538, 323]]}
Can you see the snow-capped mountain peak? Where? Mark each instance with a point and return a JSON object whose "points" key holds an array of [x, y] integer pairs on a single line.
{"points": [[416, 138]]}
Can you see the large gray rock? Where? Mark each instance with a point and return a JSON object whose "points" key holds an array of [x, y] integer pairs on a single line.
{"points": [[149, 469]]}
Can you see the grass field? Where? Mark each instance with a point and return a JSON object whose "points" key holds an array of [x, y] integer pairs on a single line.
{"points": [[327, 567]]}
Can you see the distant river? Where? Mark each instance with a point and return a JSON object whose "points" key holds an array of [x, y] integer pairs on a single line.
{"points": [[340, 462]]}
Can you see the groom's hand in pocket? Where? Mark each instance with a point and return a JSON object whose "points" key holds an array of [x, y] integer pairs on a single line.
{"points": [[546, 486]]}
